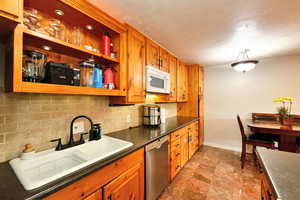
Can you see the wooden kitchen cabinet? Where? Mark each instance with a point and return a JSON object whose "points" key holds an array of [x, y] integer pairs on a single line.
{"points": [[11, 9], [164, 60], [95, 196], [182, 82], [128, 186], [175, 154], [136, 66], [184, 146], [127, 173], [266, 191], [136, 60], [193, 132], [152, 54], [173, 77], [156, 56]]}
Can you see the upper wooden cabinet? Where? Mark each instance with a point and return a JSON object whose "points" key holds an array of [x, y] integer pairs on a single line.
{"points": [[136, 55], [136, 66], [173, 77], [64, 48], [11, 9], [156, 56], [164, 60], [152, 54], [182, 82]]}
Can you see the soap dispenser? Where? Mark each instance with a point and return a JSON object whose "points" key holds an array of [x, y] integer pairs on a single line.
{"points": [[95, 132]]}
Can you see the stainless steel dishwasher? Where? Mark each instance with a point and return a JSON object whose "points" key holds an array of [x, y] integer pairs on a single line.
{"points": [[157, 170]]}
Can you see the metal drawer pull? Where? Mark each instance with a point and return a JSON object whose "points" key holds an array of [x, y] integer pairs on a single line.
{"points": [[177, 154], [177, 167], [177, 145]]}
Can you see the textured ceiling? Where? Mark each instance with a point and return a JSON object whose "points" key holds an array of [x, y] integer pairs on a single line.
{"points": [[211, 32]]}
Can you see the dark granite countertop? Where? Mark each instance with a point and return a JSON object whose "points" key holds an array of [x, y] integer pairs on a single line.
{"points": [[11, 188], [282, 170]]}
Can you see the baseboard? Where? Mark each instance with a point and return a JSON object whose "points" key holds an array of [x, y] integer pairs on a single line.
{"points": [[222, 146]]}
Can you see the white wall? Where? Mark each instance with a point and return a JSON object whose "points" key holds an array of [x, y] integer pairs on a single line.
{"points": [[228, 93]]}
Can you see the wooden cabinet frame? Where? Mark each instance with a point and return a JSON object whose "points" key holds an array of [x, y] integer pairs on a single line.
{"points": [[16, 84]]}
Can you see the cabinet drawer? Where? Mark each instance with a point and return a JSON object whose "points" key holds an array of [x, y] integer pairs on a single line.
{"points": [[175, 145], [175, 153], [176, 135]]}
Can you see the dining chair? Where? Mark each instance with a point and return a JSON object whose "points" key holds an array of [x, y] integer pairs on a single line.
{"points": [[253, 139]]}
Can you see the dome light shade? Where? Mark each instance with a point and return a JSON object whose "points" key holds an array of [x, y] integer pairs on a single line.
{"points": [[244, 66]]}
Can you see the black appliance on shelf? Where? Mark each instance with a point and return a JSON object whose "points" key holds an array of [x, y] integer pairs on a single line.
{"points": [[59, 73]]}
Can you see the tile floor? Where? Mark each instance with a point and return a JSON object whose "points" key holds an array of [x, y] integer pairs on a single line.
{"points": [[215, 174]]}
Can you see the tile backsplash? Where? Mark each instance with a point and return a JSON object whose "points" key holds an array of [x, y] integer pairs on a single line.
{"points": [[38, 118]]}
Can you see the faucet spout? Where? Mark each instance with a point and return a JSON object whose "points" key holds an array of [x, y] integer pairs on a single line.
{"points": [[71, 140]]}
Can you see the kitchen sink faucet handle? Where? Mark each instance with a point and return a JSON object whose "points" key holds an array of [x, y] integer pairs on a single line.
{"points": [[59, 145], [81, 140]]}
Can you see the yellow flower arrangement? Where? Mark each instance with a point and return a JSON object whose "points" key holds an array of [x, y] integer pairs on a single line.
{"points": [[284, 111]]}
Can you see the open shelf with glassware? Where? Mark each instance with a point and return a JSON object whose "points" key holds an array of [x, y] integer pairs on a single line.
{"points": [[68, 48]]}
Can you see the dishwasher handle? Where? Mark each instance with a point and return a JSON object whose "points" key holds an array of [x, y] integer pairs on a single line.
{"points": [[157, 144]]}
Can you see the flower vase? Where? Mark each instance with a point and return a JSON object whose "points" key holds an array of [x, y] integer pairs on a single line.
{"points": [[286, 121]]}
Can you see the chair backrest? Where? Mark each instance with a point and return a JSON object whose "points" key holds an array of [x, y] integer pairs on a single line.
{"points": [[241, 127]]}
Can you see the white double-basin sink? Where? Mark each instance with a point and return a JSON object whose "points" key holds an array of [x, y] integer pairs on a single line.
{"points": [[50, 165]]}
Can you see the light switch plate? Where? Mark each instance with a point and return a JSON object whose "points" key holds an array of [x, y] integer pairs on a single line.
{"points": [[78, 127], [128, 118]]}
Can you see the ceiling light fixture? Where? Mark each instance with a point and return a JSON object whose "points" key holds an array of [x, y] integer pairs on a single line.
{"points": [[89, 27], [47, 48], [59, 12], [244, 64]]}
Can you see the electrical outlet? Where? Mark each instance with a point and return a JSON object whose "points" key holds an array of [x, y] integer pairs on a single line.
{"points": [[78, 127], [128, 118]]}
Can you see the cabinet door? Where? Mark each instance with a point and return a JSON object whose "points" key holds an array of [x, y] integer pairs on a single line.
{"points": [[95, 196], [164, 60], [136, 67], [128, 186], [173, 77], [10, 8], [182, 84], [152, 52], [184, 147]]}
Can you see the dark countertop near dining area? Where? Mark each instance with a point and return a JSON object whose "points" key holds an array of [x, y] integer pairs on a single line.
{"points": [[11, 188], [283, 171]]}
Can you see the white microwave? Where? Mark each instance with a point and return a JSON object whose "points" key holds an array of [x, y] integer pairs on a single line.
{"points": [[157, 81]]}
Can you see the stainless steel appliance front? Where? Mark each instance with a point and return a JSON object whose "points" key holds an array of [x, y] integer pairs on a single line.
{"points": [[157, 170]]}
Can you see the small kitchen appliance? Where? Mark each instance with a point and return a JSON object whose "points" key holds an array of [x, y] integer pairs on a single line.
{"points": [[152, 115], [157, 81], [58, 73]]}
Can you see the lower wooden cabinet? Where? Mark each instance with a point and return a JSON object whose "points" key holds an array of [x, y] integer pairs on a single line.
{"points": [[183, 145], [122, 179], [128, 186], [266, 191], [193, 132], [95, 196]]}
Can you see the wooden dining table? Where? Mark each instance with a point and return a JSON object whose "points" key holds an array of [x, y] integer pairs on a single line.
{"points": [[288, 134]]}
